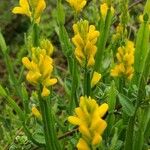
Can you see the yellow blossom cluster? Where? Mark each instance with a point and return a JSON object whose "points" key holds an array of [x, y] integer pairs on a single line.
{"points": [[125, 58], [104, 9], [118, 34], [77, 4], [31, 8], [84, 40], [40, 68], [88, 116]]}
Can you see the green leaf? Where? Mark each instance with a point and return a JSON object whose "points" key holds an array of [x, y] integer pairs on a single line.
{"points": [[39, 137], [2, 92], [3, 43], [126, 104], [25, 98], [142, 45], [112, 97], [60, 14]]}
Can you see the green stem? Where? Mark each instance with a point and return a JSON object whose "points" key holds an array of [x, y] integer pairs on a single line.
{"points": [[129, 134], [74, 87], [121, 84], [139, 139], [87, 85], [35, 35], [102, 41], [49, 131], [30, 137]]}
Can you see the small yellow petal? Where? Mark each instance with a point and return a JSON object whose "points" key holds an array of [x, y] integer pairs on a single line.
{"points": [[104, 9], [45, 92], [26, 62], [39, 9], [75, 4], [115, 72], [91, 61], [102, 126], [74, 120], [82, 145], [95, 79], [33, 77], [85, 131], [103, 109], [96, 139], [48, 82], [47, 45], [36, 112], [23, 8], [79, 112]]}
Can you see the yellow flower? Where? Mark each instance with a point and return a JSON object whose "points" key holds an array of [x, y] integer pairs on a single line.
{"points": [[119, 32], [40, 70], [31, 8], [36, 112], [84, 40], [104, 9], [95, 79], [47, 45], [88, 116], [77, 4], [37, 7], [23, 9], [125, 58]]}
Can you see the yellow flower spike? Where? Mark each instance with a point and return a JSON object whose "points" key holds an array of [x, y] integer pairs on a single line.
{"points": [[88, 116], [36, 112], [31, 8], [84, 40], [125, 58], [78, 5], [40, 69], [45, 92], [95, 79], [23, 9], [104, 9], [82, 145]]}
